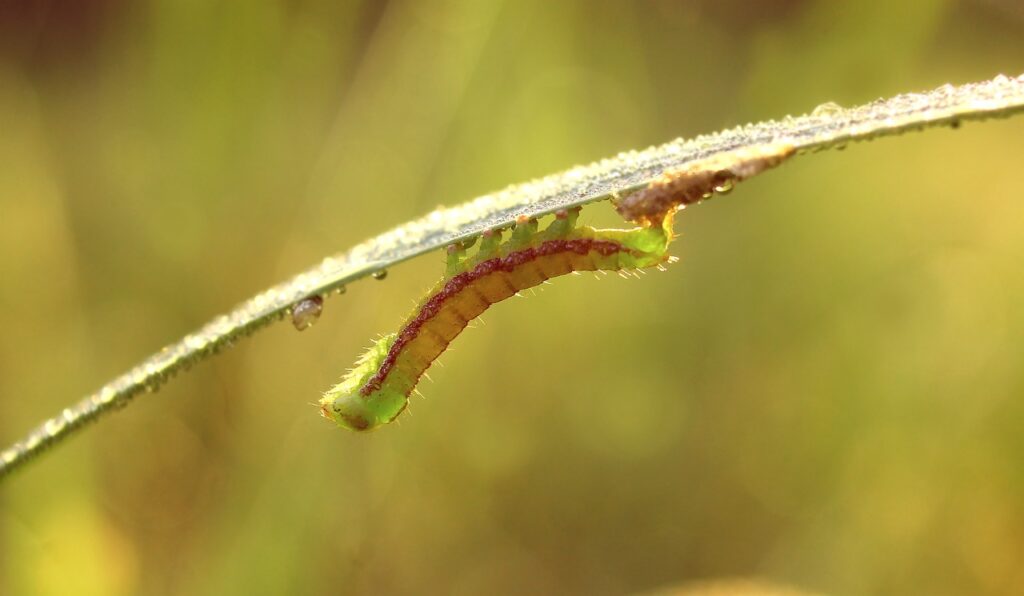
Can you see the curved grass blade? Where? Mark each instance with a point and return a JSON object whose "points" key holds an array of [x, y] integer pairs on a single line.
{"points": [[624, 173]]}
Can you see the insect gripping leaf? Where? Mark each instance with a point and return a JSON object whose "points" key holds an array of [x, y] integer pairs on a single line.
{"points": [[377, 390]]}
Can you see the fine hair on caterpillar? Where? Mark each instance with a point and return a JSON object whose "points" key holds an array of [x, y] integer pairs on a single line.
{"points": [[699, 180], [377, 389]]}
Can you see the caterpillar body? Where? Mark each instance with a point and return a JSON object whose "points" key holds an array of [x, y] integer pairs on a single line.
{"points": [[377, 389]]}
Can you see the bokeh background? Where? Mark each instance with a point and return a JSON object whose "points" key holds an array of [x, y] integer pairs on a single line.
{"points": [[825, 392]]}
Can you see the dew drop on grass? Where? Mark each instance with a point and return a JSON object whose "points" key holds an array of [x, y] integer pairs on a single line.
{"points": [[306, 312], [379, 275], [827, 109], [725, 186]]}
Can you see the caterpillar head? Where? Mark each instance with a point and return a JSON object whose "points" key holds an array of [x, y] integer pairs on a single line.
{"points": [[357, 412], [345, 403]]}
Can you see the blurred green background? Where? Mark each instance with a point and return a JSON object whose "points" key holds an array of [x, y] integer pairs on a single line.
{"points": [[825, 392]]}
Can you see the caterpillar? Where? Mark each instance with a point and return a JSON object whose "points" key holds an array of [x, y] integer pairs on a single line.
{"points": [[699, 180], [377, 389]]}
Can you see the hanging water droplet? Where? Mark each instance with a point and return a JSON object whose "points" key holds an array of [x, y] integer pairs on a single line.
{"points": [[828, 108], [379, 275], [307, 311], [725, 186], [722, 182]]}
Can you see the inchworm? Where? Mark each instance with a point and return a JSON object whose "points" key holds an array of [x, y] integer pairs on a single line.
{"points": [[699, 180], [377, 390]]}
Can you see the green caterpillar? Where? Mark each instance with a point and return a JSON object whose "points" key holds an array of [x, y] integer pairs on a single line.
{"points": [[377, 390]]}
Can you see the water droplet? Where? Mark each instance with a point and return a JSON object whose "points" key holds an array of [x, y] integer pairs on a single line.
{"points": [[722, 182], [725, 186], [379, 275], [307, 311], [828, 108]]}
